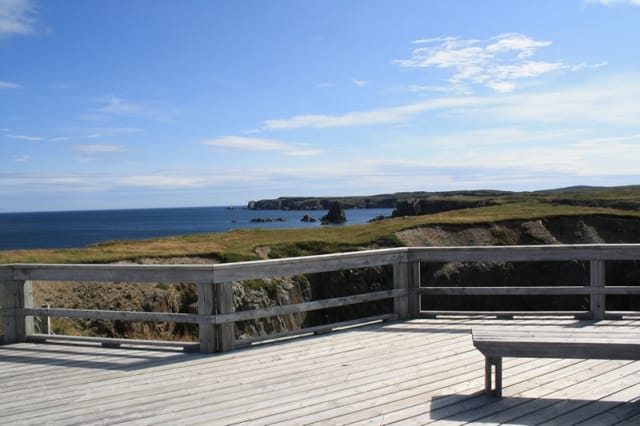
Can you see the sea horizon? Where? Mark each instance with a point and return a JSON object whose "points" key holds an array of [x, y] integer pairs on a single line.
{"points": [[80, 228]]}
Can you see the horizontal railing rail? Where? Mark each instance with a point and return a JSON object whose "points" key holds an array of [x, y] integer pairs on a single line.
{"points": [[216, 315]]}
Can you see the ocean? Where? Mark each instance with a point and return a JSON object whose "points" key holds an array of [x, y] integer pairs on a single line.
{"points": [[76, 229]]}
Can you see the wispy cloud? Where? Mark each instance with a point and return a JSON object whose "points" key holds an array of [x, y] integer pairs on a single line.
{"points": [[611, 100], [497, 63], [29, 138], [117, 106], [27, 182], [21, 158], [17, 17], [362, 118], [98, 149], [614, 2], [8, 85], [161, 181], [259, 144], [79, 133]]}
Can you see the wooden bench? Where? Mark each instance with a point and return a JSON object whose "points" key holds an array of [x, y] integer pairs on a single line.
{"points": [[498, 342]]}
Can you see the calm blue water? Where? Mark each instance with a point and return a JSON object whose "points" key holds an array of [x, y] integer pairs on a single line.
{"points": [[78, 229]]}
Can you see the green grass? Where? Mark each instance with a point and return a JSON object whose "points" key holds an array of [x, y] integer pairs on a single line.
{"points": [[241, 244]]}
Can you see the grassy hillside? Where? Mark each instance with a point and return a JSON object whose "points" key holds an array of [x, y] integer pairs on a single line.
{"points": [[242, 244]]}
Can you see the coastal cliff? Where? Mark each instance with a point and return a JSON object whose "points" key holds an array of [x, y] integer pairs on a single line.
{"points": [[421, 202], [281, 291]]}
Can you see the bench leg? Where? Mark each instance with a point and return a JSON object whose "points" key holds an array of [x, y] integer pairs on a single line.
{"points": [[496, 362]]}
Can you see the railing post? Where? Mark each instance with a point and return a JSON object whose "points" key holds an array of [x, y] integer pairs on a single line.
{"points": [[414, 284], [404, 279], [206, 307], [597, 282], [45, 321], [224, 305], [15, 295]]}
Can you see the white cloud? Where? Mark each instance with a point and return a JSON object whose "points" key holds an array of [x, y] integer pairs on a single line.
{"points": [[16, 17], [25, 138], [259, 144], [8, 85], [359, 83], [496, 63]]}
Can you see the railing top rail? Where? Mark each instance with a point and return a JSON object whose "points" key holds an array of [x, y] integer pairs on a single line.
{"points": [[308, 264], [555, 252], [208, 273], [319, 263], [113, 272]]}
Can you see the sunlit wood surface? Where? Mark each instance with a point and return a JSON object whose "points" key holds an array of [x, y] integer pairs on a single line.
{"points": [[413, 372]]}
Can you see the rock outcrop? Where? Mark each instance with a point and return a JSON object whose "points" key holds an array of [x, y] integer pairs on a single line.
{"points": [[335, 216], [417, 207]]}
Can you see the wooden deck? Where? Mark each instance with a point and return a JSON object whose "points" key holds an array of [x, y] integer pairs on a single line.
{"points": [[413, 372]]}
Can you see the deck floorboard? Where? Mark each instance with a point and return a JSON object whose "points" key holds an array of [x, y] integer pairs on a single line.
{"points": [[421, 371]]}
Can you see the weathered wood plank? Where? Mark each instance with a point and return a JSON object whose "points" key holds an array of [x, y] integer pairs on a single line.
{"points": [[557, 344], [528, 291], [15, 295], [308, 306], [525, 253], [282, 378], [213, 385], [428, 313], [307, 264], [224, 306], [118, 315], [379, 368], [111, 342], [114, 273], [413, 372], [206, 307], [597, 281], [315, 329]]}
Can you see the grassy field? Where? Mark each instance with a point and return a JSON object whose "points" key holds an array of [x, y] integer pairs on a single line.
{"points": [[241, 244]]}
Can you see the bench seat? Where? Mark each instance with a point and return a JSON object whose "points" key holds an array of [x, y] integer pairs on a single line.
{"points": [[498, 342]]}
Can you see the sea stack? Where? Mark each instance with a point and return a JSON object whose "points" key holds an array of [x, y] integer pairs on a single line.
{"points": [[335, 216]]}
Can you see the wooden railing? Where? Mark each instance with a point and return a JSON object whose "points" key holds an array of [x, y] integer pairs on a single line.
{"points": [[216, 316]]}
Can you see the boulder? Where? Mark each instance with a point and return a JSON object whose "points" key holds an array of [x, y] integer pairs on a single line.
{"points": [[307, 218]]}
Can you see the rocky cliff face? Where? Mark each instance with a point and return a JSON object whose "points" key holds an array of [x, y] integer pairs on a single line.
{"points": [[417, 207], [316, 203], [554, 230], [558, 230]]}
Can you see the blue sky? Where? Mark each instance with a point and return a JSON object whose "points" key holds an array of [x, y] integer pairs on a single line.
{"points": [[154, 103]]}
